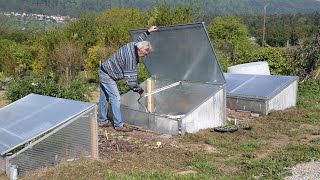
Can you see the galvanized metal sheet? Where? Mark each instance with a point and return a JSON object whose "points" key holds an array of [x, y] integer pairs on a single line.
{"points": [[33, 116], [256, 86], [182, 52]]}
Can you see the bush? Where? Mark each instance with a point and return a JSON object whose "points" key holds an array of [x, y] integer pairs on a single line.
{"points": [[20, 87], [279, 62], [309, 94], [2, 78]]}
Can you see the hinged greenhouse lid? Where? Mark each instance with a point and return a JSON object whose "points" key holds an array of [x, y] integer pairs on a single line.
{"points": [[182, 52], [34, 115]]}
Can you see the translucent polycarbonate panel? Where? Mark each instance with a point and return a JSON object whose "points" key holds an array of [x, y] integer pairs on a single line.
{"points": [[174, 101], [182, 52], [33, 115], [68, 142], [234, 81], [256, 86]]}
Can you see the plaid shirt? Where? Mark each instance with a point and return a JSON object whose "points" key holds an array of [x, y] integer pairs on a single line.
{"points": [[123, 64]]}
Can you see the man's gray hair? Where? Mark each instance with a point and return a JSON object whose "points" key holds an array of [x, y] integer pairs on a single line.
{"points": [[145, 46]]}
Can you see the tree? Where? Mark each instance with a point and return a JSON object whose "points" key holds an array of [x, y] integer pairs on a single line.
{"points": [[39, 56], [167, 15], [69, 59], [83, 30], [7, 59], [95, 55], [112, 26], [278, 60], [14, 58], [231, 38], [307, 58]]}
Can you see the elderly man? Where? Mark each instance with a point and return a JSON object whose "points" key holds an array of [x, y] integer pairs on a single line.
{"points": [[123, 64]]}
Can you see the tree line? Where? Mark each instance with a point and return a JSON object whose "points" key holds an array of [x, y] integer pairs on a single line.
{"points": [[211, 7], [62, 62]]}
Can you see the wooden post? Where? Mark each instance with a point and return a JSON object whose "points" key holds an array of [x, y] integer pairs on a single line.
{"points": [[94, 145], [150, 99]]}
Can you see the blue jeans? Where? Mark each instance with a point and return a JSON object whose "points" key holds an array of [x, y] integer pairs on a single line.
{"points": [[109, 92]]}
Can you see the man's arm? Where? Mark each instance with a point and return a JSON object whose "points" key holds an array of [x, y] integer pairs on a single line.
{"points": [[145, 34], [132, 81]]}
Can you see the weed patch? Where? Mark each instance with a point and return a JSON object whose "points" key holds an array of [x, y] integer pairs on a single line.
{"points": [[248, 146], [309, 95], [219, 143]]}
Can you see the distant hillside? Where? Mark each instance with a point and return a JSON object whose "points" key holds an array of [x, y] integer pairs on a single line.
{"points": [[211, 7]]}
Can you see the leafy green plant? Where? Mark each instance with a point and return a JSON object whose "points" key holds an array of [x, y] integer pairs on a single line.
{"points": [[2, 78], [230, 37], [307, 58], [279, 62], [165, 14], [45, 85], [309, 94]]}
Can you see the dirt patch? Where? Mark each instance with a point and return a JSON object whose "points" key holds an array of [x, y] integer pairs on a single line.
{"points": [[186, 172], [3, 176], [275, 143], [94, 96], [112, 142], [240, 115], [309, 126], [133, 151]]}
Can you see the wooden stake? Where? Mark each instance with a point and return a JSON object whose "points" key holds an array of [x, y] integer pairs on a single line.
{"points": [[94, 145], [150, 99]]}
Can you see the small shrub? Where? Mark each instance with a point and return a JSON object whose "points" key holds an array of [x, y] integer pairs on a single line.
{"points": [[2, 78], [20, 87], [309, 94]]}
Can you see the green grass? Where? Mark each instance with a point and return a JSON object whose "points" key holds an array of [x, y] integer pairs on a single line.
{"points": [[311, 116], [309, 95], [220, 143], [248, 147]]}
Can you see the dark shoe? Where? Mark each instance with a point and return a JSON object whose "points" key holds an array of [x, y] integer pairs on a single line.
{"points": [[123, 129], [105, 124]]}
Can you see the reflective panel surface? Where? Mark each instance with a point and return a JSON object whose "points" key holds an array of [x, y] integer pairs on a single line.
{"points": [[177, 100], [256, 86], [182, 52]]}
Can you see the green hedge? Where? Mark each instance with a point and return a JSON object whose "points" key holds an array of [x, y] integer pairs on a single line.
{"points": [[20, 87]]}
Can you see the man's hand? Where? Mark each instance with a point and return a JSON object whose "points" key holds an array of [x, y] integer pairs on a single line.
{"points": [[152, 29], [142, 94]]}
